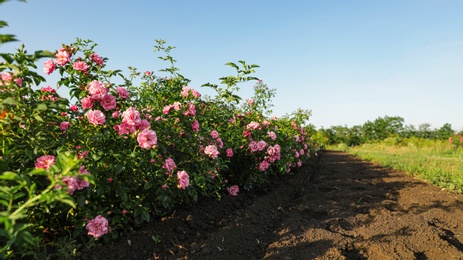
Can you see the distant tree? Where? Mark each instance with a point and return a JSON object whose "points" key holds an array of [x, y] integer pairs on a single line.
{"points": [[445, 131]]}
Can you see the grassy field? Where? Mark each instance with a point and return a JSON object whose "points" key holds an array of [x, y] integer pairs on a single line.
{"points": [[435, 161]]}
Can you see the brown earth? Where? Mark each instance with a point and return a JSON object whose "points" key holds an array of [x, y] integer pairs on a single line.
{"points": [[337, 207]]}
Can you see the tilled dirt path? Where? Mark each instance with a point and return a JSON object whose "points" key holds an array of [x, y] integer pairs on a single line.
{"points": [[337, 207]]}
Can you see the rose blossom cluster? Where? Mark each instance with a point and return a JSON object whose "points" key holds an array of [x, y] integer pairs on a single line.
{"points": [[257, 146], [131, 122], [7, 77], [186, 90], [63, 56]]}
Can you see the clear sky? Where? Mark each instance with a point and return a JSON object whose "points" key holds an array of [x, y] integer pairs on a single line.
{"points": [[347, 61]]}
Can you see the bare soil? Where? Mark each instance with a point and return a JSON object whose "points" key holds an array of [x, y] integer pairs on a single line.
{"points": [[336, 207]]}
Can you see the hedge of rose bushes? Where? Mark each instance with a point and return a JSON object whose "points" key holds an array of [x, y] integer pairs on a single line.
{"points": [[122, 149]]}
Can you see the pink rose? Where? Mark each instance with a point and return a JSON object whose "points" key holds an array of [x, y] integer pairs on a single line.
{"points": [[229, 152], [261, 145], [108, 102], [97, 59], [253, 126], [264, 165], [272, 135], [115, 114], [74, 108], [191, 110], [44, 162], [195, 93], [7, 77], [211, 150], [183, 179], [233, 190], [219, 142], [80, 66], [48, 89], [49, 66], [124, 128], [169, 164], [195, 126], [97, 226], [250, 101], [253, 146], [62, 57], [86, 103], [123, 93], [144, 124], [185, 91], [147, 138], [147, 73], [96, 117], [97, 90], [214, 134], [167, 109], [19, 81], [131, 116], [246, 133], [64, 126]]}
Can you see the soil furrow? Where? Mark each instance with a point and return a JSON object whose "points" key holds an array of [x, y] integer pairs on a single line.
{"points": [[336, 207]]}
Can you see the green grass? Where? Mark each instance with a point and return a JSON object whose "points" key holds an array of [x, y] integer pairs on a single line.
{"points": [[437, 162]]}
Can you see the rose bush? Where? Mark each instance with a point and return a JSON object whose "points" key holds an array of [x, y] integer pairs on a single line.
{"points": [[142, 148]]}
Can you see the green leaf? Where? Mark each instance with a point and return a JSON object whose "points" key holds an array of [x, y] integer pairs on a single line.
{"points": [[9, 176], [42, 107], [10, 101]]}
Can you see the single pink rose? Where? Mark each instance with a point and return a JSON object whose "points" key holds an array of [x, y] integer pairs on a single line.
{"points": [[96, 117], [97, 226], [169, 164], [229, 152], [80, 66], [261, 145], [195, 93], [44, 162], [131, 116], [233, 190], [97, 89], [74, 108], [108, 102], [214, 134], [123, 93], [272, 135], [62, 57], [64, 126], [183, 179], [264, 165], [49, 66], [86, 103], [195, 126], [147, 138], [211, 150]]}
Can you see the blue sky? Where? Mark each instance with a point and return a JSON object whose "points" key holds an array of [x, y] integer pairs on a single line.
{"points": [[347, 61]]}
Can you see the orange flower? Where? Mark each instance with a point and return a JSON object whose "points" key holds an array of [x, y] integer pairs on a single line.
{"points": [[3, 114]]}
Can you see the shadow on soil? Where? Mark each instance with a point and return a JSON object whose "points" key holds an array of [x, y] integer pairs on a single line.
{"points": [[319, 212]]}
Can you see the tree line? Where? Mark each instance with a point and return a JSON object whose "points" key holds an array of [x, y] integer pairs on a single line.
{"points": [[380, 129]]}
